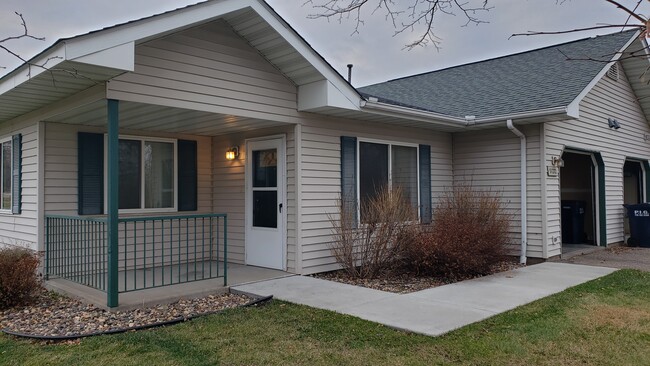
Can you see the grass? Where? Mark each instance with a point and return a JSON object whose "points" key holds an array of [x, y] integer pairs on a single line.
{"points": [[606, 321]]}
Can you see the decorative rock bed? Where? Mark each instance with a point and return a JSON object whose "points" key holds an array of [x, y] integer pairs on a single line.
{"points": [[52, 316], [406, 282]]}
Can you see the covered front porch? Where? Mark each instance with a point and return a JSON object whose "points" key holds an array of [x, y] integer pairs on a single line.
{"points": [[184, 233], [131, 189]]}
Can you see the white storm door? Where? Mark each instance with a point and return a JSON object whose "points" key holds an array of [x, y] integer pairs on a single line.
{"points": [[265, 206]]}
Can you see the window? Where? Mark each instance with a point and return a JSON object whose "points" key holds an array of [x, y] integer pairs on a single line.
{"points": [[384, 165], [5, 174], [147, 174]]}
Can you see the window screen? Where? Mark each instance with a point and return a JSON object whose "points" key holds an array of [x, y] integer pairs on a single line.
{"points": [[404, 163], [130, 174], [373, 172]]}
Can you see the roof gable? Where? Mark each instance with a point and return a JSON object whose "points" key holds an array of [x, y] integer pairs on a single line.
{"points": [[104, 54]]}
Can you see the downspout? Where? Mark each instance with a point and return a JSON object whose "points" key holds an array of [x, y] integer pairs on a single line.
{"points": [[524, 190]]}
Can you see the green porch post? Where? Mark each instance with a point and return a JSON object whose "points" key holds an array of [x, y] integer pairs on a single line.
{"points": [[112, 290]]}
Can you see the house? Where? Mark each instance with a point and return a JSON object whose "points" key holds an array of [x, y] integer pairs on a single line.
{"points": [[150, 153]]}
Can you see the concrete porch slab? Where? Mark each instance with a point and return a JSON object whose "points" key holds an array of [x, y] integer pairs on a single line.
{"points": [[237, 275]]}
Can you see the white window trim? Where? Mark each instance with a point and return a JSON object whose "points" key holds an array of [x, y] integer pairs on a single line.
{"points": [[390, 144], [143, 210], [11, 162]]}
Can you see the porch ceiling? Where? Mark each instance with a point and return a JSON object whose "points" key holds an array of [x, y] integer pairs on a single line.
{"points": [[45, 87], [148, 117], [276, 49]]}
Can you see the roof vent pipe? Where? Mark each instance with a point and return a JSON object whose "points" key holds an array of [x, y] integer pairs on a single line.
{"points": [[524, 200], [350, 73]]}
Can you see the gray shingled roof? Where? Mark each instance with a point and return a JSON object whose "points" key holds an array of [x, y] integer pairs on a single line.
{"points": [[522, 82]]}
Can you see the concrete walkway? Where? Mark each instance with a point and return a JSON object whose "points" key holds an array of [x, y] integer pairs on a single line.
{"points": [[614, 257], [437, 310]]}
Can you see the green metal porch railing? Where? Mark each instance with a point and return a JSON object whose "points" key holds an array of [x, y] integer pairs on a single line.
{"points": [[152, 251]]}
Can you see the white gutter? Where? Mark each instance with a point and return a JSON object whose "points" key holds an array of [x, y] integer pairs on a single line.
{"points": [[524, 191], [441, 119], [411, 113]]}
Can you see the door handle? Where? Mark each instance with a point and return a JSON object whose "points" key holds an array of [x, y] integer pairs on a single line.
{"points": [[280, 208]]}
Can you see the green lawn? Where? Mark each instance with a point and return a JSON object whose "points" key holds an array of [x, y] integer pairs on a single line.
{"points": [[606, 321]]}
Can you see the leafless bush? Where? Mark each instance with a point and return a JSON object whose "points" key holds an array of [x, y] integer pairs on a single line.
{"points": [[18, 278], [373, 246], [469, 234]]}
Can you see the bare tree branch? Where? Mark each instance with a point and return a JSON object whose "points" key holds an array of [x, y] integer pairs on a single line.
{"points": [[418, 16], [631, 13], [25, 33], [604, 26], [43, 65], [629, 17]]}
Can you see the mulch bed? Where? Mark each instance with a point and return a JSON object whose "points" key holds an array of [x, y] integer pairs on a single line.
{"points": [[406, 283], [53, 315]]}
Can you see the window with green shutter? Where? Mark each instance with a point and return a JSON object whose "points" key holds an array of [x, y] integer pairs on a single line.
{"points": [[155, 174], [367, 166]]}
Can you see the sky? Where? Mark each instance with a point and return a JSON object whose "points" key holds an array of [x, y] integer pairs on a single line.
{"points": [[376, 53]]}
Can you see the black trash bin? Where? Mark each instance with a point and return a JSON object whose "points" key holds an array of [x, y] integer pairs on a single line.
{"points": [[639, 216], [573, 222]]}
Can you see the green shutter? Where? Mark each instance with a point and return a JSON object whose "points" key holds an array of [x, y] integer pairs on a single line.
{"points": [[425, 184], [16, 173], [349, 176], [91, 173], [187, 176]]}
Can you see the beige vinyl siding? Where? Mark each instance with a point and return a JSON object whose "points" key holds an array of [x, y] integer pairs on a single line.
{"points": [[22, 230], [490, 160], [230, 189], [208, 68], [608, 99], [321, 177]]}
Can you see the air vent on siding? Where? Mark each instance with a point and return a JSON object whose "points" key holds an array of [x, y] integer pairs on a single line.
{"points": [[612, 73]]}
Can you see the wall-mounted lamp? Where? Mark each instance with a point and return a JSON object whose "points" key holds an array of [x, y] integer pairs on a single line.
{"points": [[613, 123], [557, 162], [232, 153]]}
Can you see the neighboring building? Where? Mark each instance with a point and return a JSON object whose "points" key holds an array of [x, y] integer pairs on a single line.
{"points": [[167, 98]]}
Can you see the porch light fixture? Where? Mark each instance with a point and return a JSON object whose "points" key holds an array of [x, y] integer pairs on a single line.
{"points": [[232, 153], [557, 162]]}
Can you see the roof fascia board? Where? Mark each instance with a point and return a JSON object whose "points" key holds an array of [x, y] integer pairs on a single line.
{"points": [[36, 66], [561, 110], [574, 107], [444, 120], [146, 28], [316, 60], [120, 57], [321, 94]]}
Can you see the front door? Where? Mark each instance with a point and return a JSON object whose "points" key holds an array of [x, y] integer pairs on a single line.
{"points": [[265, 195]]}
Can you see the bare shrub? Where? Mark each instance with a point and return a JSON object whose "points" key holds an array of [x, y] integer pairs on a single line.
{"points": [[19, 281], [469, 234], [367, 249]]}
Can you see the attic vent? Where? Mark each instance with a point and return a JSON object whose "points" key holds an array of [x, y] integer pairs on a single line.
{"points": [[612, 73]]}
